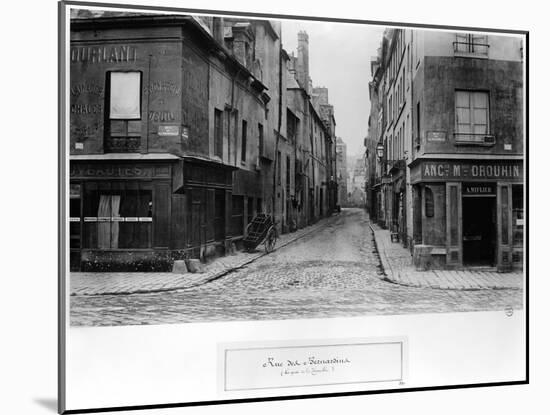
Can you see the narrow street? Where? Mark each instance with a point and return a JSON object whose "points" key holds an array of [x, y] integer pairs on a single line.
{"points": [[331, 273]]}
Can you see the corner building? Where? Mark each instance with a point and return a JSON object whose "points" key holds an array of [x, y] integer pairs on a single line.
{"points": [[467, 166], [172, 124]]}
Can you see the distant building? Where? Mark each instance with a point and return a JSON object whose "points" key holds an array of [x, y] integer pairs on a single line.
{"points": [[310, 120], [356, 183], [341, 172]]}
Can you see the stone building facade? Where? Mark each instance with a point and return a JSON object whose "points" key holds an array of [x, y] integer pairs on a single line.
{"points": [[453, 145], [175, 137]]}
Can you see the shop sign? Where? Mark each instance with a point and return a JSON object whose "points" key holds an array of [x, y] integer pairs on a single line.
{"points": [[104, 54], [478, 189], [169, 130], [436, 135], [470, 171], [89, 171]]}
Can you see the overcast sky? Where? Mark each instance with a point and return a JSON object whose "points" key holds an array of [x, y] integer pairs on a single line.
{"points": [[339, 59]]}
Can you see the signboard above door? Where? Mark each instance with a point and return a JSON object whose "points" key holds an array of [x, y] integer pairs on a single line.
{"points": [[478, 189]]}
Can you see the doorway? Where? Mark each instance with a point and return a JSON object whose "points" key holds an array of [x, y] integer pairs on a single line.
{"points": [[479, 230], [219, 215]]}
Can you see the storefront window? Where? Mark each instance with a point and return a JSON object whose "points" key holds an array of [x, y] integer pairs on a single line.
{"points": [[517, 215], [123, 218], [74, 216]]}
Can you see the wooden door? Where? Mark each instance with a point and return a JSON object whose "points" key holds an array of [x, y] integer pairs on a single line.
{"points": [[453, 202], [504, 226], [197, 224]]}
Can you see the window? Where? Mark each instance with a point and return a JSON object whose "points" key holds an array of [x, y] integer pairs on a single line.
{"points": [[124, 127], [291, 125], [517, 215], [227, 133], [467, 43], [120, 218], [260, 139], [237, 215], [125, 96], [418, 123], [279, 167], [218, 134], [74, 215], [472, 116], [287, 174], [243, 141]]}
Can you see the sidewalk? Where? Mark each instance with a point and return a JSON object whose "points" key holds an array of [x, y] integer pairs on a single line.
{"points": [[399, 269], [120, 283]]}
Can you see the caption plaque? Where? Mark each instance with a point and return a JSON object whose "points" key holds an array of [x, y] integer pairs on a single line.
{"points": [[254, 366]]}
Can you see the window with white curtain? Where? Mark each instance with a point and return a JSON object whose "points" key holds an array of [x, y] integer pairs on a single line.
{"points": [[125, 96], [124, 112], [122, 218]]}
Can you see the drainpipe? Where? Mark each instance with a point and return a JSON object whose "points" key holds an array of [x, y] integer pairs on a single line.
{"points": [[232, 112], [276, 166], [312, 158]]}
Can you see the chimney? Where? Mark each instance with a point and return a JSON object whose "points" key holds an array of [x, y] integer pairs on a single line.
{"points": [[217, 30], [243, 43], [303, 60], [292, 64], [322, 92]]}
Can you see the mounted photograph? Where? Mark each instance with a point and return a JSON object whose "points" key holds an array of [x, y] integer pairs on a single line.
{"points": [[360, 184], [213, 179]]}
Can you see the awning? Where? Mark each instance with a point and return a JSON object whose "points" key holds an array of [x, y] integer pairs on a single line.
{"points": [[124, 156]]}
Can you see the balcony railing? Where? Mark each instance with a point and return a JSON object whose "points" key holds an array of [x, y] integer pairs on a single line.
{"points": [[474, 139], [471, 48]]}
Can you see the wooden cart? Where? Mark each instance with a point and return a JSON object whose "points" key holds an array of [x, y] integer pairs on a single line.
{"points": [[261, 230]]}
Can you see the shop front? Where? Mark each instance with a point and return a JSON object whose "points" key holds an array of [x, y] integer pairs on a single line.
{"points": [[470, 212], [136, 212]]}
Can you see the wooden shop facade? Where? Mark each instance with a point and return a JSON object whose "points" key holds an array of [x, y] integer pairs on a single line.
{"points": [[160, 164]]}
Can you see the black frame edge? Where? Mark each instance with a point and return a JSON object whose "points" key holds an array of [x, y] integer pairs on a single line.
{"points": [[61, 195]]}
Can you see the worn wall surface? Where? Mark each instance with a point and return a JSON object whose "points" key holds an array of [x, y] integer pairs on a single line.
{"points": [[434, 228], [501, 79], [174, 78]]}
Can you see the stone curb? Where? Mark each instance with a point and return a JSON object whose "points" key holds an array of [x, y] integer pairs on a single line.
{"points": [[404, 279], [208, 277]]}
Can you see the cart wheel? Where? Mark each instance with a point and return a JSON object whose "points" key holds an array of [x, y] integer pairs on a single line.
{"points": [[270, 241]]}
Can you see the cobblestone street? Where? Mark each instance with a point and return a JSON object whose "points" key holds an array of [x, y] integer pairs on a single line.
{"points": [[332, 272]]}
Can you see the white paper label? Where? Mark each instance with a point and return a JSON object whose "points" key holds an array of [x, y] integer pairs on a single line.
{"points": [[256, 367]]}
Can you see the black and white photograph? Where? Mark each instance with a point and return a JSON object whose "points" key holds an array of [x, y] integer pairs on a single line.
{"points": [[301, 206], [225, 168]]}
